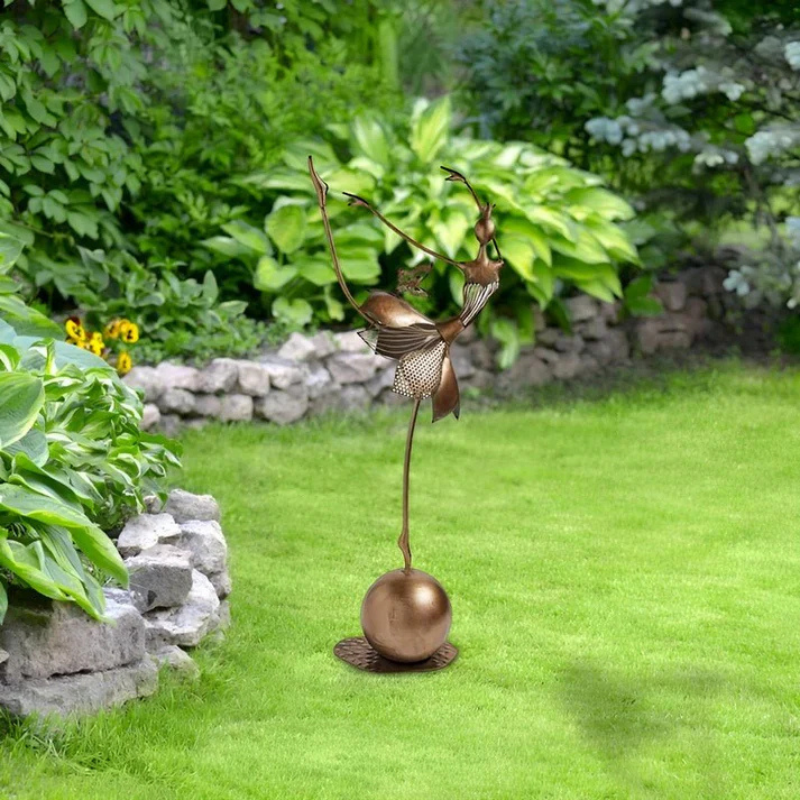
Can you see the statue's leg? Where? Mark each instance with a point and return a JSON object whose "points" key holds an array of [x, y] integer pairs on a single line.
{"points": [[402, 542]]}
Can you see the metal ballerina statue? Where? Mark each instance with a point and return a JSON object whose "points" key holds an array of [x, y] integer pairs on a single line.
{"points": [[420, 345]]}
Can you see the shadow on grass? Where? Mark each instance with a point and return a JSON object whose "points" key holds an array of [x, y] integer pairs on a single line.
{"points": [[620, 718]]}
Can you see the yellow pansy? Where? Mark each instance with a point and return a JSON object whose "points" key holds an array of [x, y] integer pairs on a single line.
{"points": [[112, 329], [74, 329], [129, 331], [124, 364], [96, 343]]}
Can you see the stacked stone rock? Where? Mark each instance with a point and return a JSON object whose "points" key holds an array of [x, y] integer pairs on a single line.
{"points": [[55, 659], [312, 374]]}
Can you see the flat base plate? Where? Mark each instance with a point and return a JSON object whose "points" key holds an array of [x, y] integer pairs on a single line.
{"points": [[358, 652]]}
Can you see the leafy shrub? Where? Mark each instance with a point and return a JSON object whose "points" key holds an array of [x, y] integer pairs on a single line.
{"points": [[207, 127], [556, 224], [72, 462], [176, 318]]}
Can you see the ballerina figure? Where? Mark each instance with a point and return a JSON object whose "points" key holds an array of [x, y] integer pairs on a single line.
{"points": [[419, 345]]}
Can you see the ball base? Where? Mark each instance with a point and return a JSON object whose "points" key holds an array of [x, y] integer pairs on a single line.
{"points": [[357, 652]]}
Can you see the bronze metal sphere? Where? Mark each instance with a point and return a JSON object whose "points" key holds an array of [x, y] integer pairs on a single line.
{"points": [[406, 615]]}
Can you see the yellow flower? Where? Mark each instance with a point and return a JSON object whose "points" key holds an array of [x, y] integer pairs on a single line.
{"points": [[112, 329], [96, 344], [74, 329], [124, 364], [129, 331]]}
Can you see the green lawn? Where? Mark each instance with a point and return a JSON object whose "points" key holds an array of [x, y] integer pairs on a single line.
{"points": [[625, 579]]}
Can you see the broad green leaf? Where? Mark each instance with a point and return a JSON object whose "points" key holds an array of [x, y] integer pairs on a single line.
{"points": [[644, 306], [639, 287], [271, 276], [316, 270], [76, 13], [533, 233], [105, 8], [10, 251], [3, 602], [27, 563], [27, 321], [9, 357], [518, 252], [294, 312], [614, 240], [584, 248], [430, 128], [603, 202], [370, 139], [552, 220], [360, 266], [227, 246], [100, 550], [286, 227], [451, 230], [33, 445], [249, 236], [21, 399]]}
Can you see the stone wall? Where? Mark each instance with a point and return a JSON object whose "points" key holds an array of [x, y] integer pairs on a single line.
{"points": [[312, 374], [56, 659]]}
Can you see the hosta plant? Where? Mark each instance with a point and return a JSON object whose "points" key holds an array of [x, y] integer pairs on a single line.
{"points": [[73, 463], [557, 226]]}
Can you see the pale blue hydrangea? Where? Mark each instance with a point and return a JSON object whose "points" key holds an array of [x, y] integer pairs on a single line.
{"points": [[792, 54], [766, 144]]}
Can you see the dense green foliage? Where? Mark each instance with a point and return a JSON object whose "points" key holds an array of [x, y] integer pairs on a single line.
{"points": [[73, 461], [687, 107], [556, 224], [126, 128], [622, 601]]}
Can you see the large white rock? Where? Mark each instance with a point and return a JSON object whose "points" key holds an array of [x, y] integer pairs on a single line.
{"points": [[352, 367], [82, 693], [178, 376], [203, 539], [145, 531], [282, 372], [149, 380], [236, 408], [185, 506], [253, 378], [299, 348], [284, 406], [582, 308], [160, 577], [187, 625], [218, 376], [350, 342], [151, 416], [171, 656], [179, 401], [45, 638]]}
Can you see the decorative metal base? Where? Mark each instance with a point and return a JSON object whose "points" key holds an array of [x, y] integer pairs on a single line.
{"points": [[357, 652]]}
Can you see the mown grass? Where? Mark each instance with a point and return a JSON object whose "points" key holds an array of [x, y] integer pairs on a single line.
{"points": [[625, 577]]}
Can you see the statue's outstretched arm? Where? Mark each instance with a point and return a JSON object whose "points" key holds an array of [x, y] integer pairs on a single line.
{"points": [[360, 201], [321, 189]]}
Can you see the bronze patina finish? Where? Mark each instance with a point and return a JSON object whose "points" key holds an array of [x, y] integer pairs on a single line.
{"points": [[406, 614]]}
